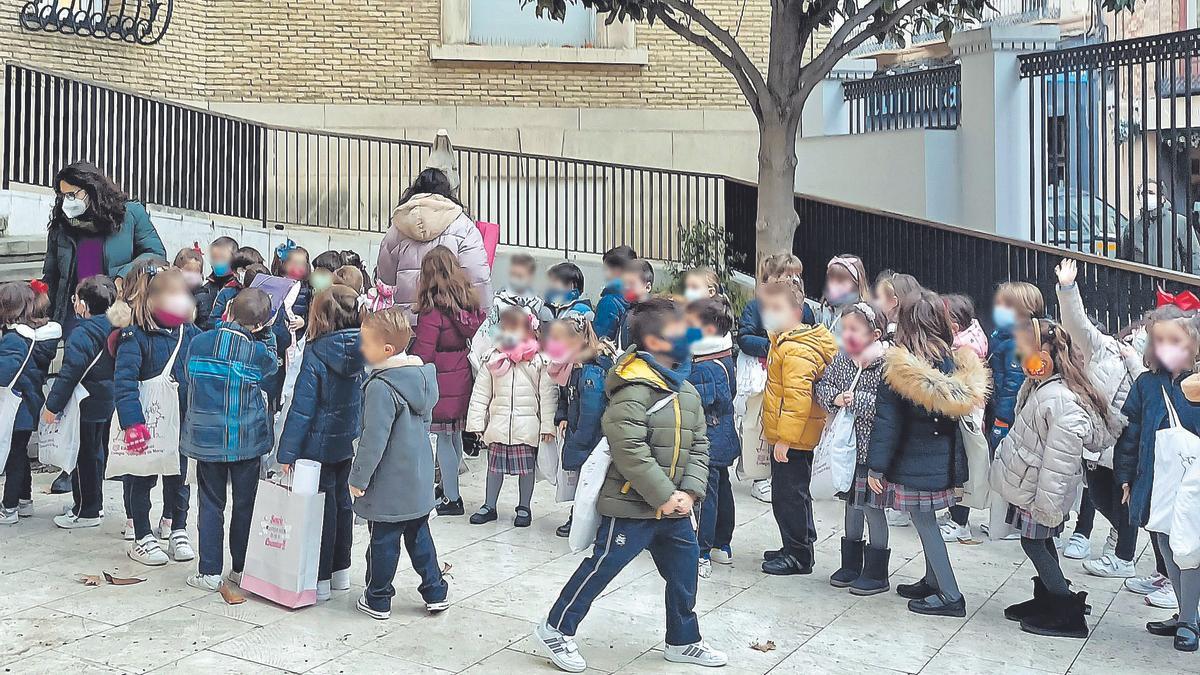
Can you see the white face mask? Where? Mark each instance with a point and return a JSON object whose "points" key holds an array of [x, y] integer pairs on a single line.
{"points": [[694, 294], [73, 207], [509, 339], [774, 323]]}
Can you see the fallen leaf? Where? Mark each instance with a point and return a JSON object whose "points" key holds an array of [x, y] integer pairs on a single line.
{"points": [[122, 581], [446, 567], [764, 647], [90, 579], [230, 595]]}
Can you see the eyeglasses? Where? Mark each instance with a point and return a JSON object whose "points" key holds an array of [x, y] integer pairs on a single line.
{"points": [[76, 194]]}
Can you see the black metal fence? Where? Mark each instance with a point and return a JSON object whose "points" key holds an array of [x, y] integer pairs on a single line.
{"points": [[926, 99], [1114, 155], [178, 156]]}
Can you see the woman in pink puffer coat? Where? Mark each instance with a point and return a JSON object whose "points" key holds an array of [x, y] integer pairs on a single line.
{"points": [[430, 216]]}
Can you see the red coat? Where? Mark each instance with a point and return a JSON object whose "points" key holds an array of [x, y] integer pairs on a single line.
{"points": [[443, 340]]}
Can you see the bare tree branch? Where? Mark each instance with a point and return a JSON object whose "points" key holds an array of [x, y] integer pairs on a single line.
{"points": [[725, 59], [855, 21], [723, 36], [833, 52]]}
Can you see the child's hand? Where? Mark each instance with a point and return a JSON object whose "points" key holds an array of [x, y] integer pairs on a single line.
{"points": [[137, 438], [547, 438], [1125, 493], [562, 428], [1066, 272], [685, 502], [48, 417], [356, 493], [286, 469], [781, 451], [296, 323], [875, 484], [844, 399]]}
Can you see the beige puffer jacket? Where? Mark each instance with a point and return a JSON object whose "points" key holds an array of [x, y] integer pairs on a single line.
{"points": [[1110, 371], [1039, 465], [514, 408]]}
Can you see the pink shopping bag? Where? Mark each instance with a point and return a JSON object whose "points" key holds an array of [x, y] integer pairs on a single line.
{"points": [[491, 239]]}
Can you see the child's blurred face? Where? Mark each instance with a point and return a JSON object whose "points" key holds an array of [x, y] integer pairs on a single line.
{"points": [[172, 296], [562, 343], [885, 300], [193, 273], [840, 287], [320, 279], [520, 279], [514, 329], [779, 314], [857, 334], [1004, 314], [694, 321], [220, 257], [636, 290], [696, 288], [1173, 346], [612, 273], [673, 331], [374, 348], [296, 266]]}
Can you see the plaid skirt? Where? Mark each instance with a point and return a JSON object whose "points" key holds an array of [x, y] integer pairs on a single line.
{"points": [[514, 460], [858, 494], [447, 427], [896, 496], [1023, 522]]}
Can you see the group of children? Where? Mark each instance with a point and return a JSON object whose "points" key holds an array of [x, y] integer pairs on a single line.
{"points": [[678, 390]]}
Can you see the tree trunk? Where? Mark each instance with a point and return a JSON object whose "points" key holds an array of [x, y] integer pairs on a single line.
{"points": [[777, 219]]}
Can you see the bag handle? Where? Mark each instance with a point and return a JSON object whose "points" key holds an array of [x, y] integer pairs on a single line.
{"points": [[32, 344], [93, 363], [171, 361], [854, 382], [1172, 415]]}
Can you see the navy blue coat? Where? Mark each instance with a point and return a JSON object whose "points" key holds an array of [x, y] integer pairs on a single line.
{"points": [[326, 407], [89, 338], [142, 355], [581, 404], [14, 347], [227, 419], [1133, 457], [610, 313], [713, 376], [1007, 376], [206, 295], [221, 300]]}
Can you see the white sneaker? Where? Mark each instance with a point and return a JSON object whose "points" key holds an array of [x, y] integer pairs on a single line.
{"points": [[722, 556], [1078, 547], [148, 551], [340, 580], [898, 518], [363, 607], [561, 649], [179, 547], [437, 607], [9, 517], [1110, 543], [1109, 567], [952, 531], [205, 582], [699, 653], [128, 532], [163, 530], [25, 508], [69, 521], [705, 568], [761, 490], [1146, 585], [323, 591], [1163, 598], [1058, 542]]}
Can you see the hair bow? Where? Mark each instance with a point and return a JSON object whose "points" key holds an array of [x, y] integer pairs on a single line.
{"points": [[531, 317], [197, 249], [384, 290], [283, 250], [1186, 300], [39, 286]]}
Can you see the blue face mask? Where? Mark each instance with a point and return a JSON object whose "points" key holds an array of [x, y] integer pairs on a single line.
{"points": [[220, 269], [615, 285], [558, 297], [1004, 317], [681, 345]]}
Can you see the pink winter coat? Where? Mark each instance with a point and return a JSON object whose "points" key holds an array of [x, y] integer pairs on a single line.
{"points": [[420, 224], [973, 338]]}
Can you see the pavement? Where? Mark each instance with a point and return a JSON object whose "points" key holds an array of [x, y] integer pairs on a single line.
{"points": [[503, 580]]}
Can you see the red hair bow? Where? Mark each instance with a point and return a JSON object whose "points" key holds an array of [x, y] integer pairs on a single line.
{"points": [[1186, 300], [39, 286]]}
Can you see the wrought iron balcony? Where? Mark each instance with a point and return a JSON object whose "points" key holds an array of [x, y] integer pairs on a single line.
{"points": [[142, 22]]}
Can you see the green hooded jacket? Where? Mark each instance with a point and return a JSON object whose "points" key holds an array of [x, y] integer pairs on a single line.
{"points": [[657, 437]]}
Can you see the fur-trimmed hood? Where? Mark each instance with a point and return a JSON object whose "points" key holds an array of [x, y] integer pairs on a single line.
{"points": [[119, 314], [955, 394]]}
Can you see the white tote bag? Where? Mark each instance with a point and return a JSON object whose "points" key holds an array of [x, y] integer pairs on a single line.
{"points": [[585, 520], [547, 462], [58, 441], [159, 398], [976, 491], [284, 550], [10, 404], [1175, 449], [755, 460], [1185, 525], [837, 451], [566, 485]]}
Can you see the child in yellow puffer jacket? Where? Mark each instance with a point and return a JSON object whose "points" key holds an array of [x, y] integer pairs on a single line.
{"points": [[792, 420]]}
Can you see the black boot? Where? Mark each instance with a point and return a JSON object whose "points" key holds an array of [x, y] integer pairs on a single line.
{"points": [[1023, 610], [918, 591], [1062, 616], [785, 565], [874, 577], [936, 605], [564, 530], [852, 564], [450, 508]]}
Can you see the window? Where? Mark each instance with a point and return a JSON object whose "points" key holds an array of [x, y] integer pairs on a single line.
{"points": [[506, 22]]}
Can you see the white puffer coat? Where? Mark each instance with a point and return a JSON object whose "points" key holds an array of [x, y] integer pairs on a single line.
{"points": [[1039, 465], [1110, 371], [515, 408]]}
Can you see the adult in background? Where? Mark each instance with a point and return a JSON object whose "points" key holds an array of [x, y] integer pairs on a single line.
{"points": [[428, 216], [94, 229], [1158, 235]]}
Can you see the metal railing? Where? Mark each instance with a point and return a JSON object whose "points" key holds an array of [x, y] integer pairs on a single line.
{"points": [[1111, 149], [179, 156], [997, 13], [143, 23], [921, 99]]}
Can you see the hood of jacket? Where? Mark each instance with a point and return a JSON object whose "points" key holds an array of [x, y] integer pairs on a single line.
{"points": [[818, 338], [338, 351], [414, 383], [955, 393], [974, 338], [425, 217], [50, 331], [467, 323], [633, 369]]}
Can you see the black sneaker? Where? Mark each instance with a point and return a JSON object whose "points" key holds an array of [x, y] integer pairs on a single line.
{"points": [[524, 517], [564, 530], [485, 514], [918, 591], [451, 508], [784, 566], [1163, 628], [936, 605]]}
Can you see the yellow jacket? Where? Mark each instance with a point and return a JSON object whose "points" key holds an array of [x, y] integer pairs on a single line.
{"points": [[795, 362]]}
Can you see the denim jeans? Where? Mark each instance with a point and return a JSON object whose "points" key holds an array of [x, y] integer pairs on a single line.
{"points": [[383, 555], [716, 513], [791, 502], [337, 526], [87, 480], [672, 545], [18, 478], [176, 498], [242, 480]]}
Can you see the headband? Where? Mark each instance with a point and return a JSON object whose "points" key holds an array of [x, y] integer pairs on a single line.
{"points": [[847, 263], [866, 310]]}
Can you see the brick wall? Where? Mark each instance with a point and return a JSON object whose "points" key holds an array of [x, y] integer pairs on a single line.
{"points": [[377, 51]]}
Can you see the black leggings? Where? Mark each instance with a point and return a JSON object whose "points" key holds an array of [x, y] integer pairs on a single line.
{"points": [[1105, 494], [1044, 556]]}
